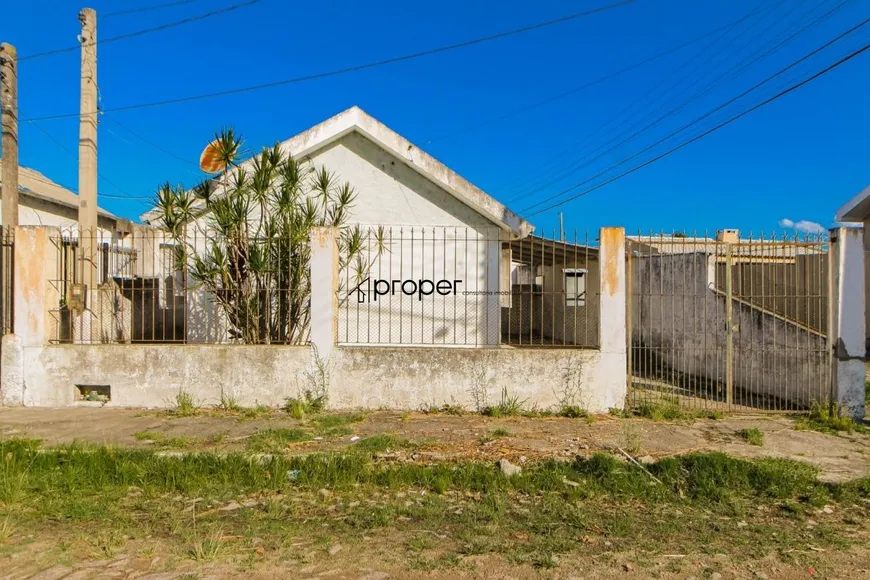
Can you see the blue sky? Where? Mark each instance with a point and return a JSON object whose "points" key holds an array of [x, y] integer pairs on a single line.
{"points": [[798, 158]]}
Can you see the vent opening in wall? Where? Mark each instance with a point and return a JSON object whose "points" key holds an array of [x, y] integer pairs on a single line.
{"points": [[93, 395]]}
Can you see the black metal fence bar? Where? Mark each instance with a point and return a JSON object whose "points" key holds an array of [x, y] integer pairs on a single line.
{"points": [[473, 287]]}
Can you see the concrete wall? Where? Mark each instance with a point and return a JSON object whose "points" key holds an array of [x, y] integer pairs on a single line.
{"points": [[370, 377], [678, 328], [38, 374]]}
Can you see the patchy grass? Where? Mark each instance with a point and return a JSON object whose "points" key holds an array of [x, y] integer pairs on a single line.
{"points": [[501, 432], [829, 420], [662, 410], [161, 440], [533, 518], [382, 444], [276, 440], [572, 412], [443, 409], [667, 408], [753, 436]]}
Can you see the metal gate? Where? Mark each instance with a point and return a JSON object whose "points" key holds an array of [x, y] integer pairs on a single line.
{"points": [[727, 323]]}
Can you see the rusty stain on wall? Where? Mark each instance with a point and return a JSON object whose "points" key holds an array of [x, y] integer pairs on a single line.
{"points": [[611, 238]]}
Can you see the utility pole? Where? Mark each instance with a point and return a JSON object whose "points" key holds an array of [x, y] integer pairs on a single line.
{"points": [[88, 235], [88, 151], [561, 228], [9, 105]]}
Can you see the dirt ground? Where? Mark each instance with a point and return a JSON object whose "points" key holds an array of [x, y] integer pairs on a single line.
{"points": [[442, 437], [447, 437]]}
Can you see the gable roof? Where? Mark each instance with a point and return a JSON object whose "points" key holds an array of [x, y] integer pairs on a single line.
{"points": [[32, 183], [856, 209], [356, 120]]}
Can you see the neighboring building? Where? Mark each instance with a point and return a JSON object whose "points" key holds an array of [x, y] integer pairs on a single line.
{"points": [[438, 226], [42, 202], [857, 212]]}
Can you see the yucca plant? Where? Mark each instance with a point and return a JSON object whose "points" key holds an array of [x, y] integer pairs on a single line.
{"points": [[255, 222]]}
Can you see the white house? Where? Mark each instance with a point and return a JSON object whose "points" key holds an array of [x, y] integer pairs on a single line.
{"points": [[438, 280]]}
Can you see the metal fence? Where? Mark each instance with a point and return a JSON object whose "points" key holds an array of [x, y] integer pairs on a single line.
{"points": [[459, 286], [7, 296], [152, 287], [731, 324], [409, 286]]}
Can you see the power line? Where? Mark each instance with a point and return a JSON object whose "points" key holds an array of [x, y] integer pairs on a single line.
{"points": [[709, 113], [643, 99], [711, 130], [359, 67], [186, 162], [73, 155], [147, 8], [733, 72], [584, 86], [145, 31]]}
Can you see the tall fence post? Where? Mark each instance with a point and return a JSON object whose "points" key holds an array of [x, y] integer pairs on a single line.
{"points": [[33, 260], [612, 316], [324, 289], [846, 325]]}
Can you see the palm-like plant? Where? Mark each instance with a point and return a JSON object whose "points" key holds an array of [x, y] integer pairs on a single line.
{"points": [[256, 258]]}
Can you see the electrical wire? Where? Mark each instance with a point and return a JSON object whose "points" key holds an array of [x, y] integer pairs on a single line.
{"points": [[732, 73], [145, 31], [359, 67], [150, 143], [128, 195], [775, 97], [712, 111], [584, 86], [147, 8], [530, 187]]}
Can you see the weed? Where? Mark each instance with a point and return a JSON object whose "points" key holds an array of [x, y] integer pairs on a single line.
{"points": [[147, 435], [229, 404], [306, 404], [828, 419], [275, 440], [572, 412], [500, 432], [478, 391], [207, 548], [617, 412], [185, 406], [7, 528], [752, 436], [316, 393], [508, 406], [570, 397], [631, 437], [444, 409]]}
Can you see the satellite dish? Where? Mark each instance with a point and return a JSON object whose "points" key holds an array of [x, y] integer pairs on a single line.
{"points": [[210, 161]]}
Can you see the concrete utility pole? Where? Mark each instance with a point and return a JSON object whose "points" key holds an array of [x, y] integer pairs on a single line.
{"points": [[9, 105], [88, 148]]}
